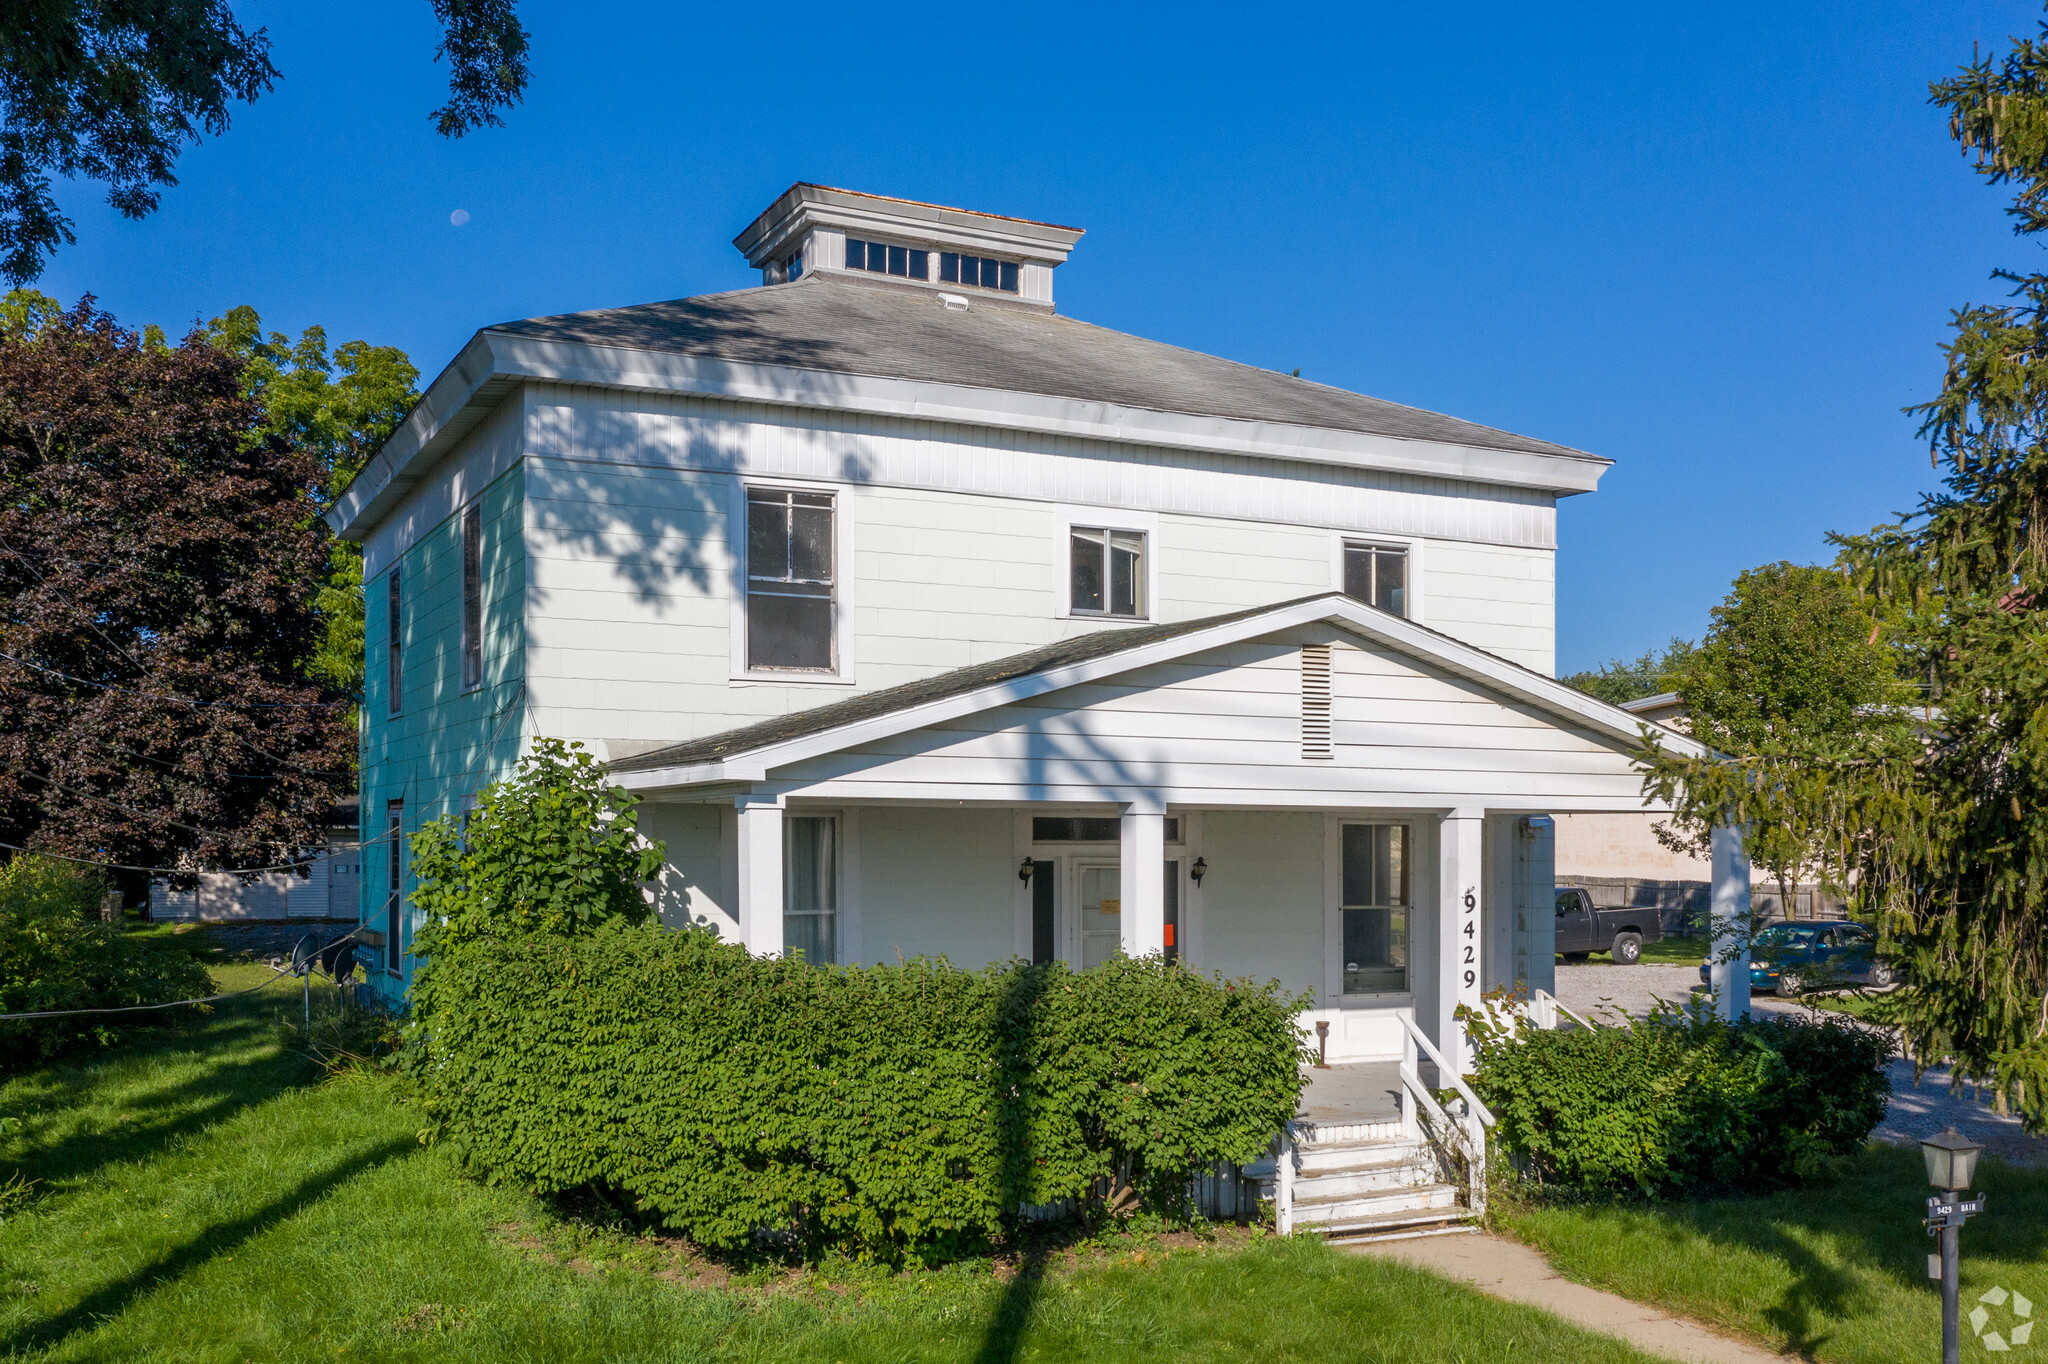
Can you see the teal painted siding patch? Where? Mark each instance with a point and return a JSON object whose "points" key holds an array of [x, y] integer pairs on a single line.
{"points": [[444, 743]]}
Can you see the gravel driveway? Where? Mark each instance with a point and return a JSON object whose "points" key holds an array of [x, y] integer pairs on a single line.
{"points": [[1610, 993]]}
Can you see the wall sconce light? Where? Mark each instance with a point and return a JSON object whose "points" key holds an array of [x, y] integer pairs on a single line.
{"points": [[1199, 870], [1024, 872]]}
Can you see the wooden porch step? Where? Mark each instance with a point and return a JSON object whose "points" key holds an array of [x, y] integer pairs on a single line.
{"points": [[1311, 1207], [1389, 1226], [1393, 1173]]}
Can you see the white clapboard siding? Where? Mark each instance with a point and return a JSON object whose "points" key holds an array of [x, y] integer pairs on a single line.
{"points": [[1225, 725]]}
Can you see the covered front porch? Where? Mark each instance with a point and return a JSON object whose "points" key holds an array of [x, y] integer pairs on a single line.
{"points": [[1364, 913], [1317, 793]]}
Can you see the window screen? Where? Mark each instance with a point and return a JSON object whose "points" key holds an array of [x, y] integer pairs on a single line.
{"points": [[1377, 576], [790, 583], [472, 598], [1375, 909], [1108, 571], [810, 903]]}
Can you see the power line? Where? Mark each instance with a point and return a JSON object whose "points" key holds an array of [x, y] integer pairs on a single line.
{"points": [[180, 700], [355, 846], [297, 967]]}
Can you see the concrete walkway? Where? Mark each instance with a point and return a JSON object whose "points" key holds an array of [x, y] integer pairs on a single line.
{"points": [[1505, 1269]]}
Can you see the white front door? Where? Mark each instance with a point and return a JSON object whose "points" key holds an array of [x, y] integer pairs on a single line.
{"points": [[1097, 910]]}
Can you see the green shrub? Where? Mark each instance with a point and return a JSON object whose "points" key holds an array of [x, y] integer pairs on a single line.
{"points": [[56, 954], [1682, 1101], [553, 850], [883, 1111]]}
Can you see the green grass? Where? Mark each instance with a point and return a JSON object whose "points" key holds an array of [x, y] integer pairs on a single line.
{"points": [[198, 1195], [1665, 952], [1834, 1273]]}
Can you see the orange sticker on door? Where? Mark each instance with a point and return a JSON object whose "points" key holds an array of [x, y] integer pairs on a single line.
{"points": [[1112, 906]]}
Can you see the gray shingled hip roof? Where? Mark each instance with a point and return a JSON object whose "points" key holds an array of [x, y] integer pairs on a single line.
{"points": [[841, 326]]}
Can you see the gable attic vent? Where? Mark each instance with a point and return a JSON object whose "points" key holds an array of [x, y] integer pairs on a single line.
{"points": [[1315, 702]]}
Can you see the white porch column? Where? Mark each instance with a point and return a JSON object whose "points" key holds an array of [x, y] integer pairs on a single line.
{"points": [[760, 874], [1461, 851], [1728, 913], [1142, 868]]}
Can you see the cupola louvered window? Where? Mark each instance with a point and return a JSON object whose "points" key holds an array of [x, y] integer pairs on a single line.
{"points": [[1315, 702]]}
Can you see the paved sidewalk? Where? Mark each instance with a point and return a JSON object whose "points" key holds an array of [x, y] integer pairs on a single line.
{"points": [[1506, 1269]]}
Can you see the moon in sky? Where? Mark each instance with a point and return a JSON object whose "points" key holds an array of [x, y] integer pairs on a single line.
{"points": [[459, 217]]}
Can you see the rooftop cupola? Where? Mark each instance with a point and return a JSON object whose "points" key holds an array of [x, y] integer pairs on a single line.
{"points": [[976, 257]]}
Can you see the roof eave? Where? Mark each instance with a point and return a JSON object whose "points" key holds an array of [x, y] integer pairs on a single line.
{"points": [[493, 363]]}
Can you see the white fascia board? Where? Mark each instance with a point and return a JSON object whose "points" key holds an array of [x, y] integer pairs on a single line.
{"points": [[454, 402], [468, 383], [1334, 609]]}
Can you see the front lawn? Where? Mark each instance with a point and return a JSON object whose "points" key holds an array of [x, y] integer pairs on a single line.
{"points": [[198, 1195], [1835, 1273]]}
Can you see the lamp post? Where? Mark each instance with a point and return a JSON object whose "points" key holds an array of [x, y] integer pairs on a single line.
{"points": [[1951, 1165]]}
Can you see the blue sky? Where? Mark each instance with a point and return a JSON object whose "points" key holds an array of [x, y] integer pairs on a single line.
{"points": [[1718, 244]]}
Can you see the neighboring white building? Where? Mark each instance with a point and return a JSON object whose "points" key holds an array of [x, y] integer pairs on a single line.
{"points": [[323, 887], [930, 621]]}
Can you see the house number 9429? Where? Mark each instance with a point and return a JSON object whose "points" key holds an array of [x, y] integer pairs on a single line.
{"points": [[1470, 932]]}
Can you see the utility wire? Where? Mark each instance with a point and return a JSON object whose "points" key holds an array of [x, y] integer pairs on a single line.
{"points": [[180, 700], [276, 971], [203, 871], [141, 1008]]}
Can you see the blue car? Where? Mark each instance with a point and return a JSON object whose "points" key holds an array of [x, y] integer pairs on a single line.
{"points": [[1786, 958]]}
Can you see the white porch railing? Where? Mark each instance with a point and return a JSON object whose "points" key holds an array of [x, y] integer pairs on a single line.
{"points": [[1462, 1135], [1544, 1007]]}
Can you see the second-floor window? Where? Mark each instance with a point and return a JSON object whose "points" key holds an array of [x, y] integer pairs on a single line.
{"points": [[1377, 575], [790, 580], [472, 598], [394, 648], [1108, 572]]}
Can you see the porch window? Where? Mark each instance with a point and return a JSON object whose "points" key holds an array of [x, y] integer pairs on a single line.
{"points": [[1377, 575], [1375, 909], [810, 884], [790, 583], [1108, 577]]}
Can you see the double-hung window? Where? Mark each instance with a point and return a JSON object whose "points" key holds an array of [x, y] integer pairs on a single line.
{"points": [[395, 680], [1375, 909], [810, 888], [394, 821], [472, 598], [1107, 572], [1377, 575], [791, 584]]}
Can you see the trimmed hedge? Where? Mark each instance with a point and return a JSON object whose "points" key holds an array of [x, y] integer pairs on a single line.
{"points": [[1682, 1101], [880, 1110]]}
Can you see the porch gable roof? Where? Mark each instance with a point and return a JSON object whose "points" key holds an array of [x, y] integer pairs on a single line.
{"points": [[746, 754]]}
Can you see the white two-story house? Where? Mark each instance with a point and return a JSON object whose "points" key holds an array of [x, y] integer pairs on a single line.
{"points": [[929, 621]]}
